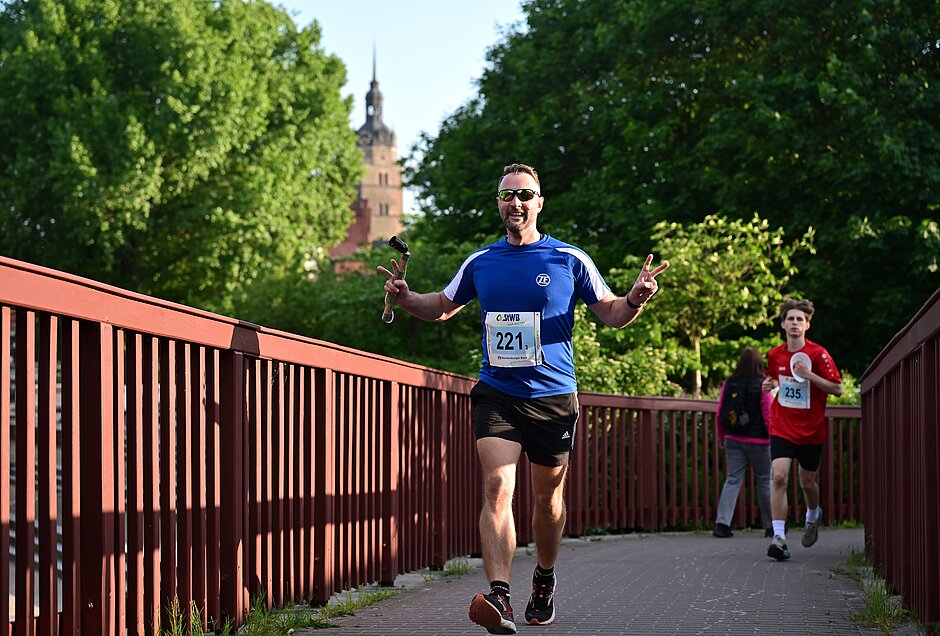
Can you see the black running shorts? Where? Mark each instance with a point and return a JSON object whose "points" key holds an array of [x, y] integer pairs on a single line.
{"points": [[545, 426], [808, 455]]}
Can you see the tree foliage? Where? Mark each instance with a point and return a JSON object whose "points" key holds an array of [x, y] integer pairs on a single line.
{"points": [[642, 369], [728, 275], [181, 148], [818, 116]]}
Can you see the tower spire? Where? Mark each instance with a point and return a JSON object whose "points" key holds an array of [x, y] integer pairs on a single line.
{"points": [[374, 96]]}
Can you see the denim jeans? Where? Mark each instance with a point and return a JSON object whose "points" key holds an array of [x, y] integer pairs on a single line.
{"points": [[737, 456]]}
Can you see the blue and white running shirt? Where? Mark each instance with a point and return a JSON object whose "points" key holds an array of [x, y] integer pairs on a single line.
{"points": [[527, 297]]}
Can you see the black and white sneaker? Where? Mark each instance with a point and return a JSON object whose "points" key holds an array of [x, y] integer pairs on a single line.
{"points": [[540, 610], [778, 549], [493, 612]]}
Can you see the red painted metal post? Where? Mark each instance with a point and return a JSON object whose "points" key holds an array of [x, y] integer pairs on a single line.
{"points": [[167, 470], [390, 460], [213, 487], [135, 483], [324, 485], [118, 505], [667, 422], [150, 442], [290, 459], [70, 623], [200, 459], [647, 472], [97, 479], [254, 470], [439, 520], [48, 500], [25, 467], [5, 428], [183, 472], [306, 483], [930, 451], [276, 482], [234, 594], [266, 488]]}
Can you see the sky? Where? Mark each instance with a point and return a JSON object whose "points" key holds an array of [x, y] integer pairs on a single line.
{"points": [[428, 54]]}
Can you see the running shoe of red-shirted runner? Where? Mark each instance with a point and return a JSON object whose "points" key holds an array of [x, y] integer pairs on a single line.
{"points": [[778, 549], [811, 531], [493, 612]]}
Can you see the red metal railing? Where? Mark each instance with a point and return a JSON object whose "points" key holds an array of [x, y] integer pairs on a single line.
{"points": [[206, 461], [901, 447], [654, 463]]}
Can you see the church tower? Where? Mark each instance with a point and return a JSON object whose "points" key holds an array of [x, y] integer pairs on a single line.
{"points": [[379, 204]]}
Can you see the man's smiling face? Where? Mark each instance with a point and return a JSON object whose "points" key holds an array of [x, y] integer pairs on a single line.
{"points": [[518, 215]]}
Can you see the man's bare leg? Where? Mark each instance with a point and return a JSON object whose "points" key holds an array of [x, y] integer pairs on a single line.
{"points": [[498, 458]]}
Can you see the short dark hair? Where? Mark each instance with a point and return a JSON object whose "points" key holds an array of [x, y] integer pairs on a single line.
{"points": [[520, 168], [803, 304]]}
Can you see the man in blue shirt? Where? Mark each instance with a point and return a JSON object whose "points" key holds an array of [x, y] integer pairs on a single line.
{"points": [[526, 400]]}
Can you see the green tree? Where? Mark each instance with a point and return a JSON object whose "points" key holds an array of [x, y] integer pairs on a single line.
{"points": [[637, 113], [181, 148], [642, 369], [728, 275]]}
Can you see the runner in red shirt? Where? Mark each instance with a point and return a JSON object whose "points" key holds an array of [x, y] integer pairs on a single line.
{"points": [[804, 375]]}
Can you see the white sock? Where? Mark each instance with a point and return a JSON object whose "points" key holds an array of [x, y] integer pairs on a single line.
{"points": [[780, 528], [812, 515]]}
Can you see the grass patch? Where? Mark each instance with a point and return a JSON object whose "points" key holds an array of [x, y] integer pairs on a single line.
{"points": [[353, 603], [884, 610], [176, 621], [264, 621], [457, 567]]}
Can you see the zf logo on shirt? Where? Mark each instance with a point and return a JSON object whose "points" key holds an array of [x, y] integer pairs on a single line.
{"points": [[542, 280]]}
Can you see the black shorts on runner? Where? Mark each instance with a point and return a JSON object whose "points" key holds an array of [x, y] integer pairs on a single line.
{"points": [[808, 455], [545, 426]]}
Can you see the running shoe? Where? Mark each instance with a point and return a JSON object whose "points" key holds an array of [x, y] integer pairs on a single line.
{"points": [[540, 610], [811, 531], [493, 612], [778, 549]]}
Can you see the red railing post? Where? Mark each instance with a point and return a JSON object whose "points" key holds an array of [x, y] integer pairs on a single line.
{"points": [[647, 473], [5, 329], [390, 461], [324, 485], [25, 465], [71, 483], [439, 505], [97, 479], [48, 501], [232, 588]]}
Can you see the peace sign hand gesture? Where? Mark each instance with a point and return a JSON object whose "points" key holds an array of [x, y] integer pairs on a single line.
{"points": [[645, 285]]}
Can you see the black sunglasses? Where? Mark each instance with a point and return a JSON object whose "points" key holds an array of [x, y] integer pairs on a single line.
{"points": [[524, 194]]}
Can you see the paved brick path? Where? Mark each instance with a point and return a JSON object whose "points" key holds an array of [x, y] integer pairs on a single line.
{"points": [[683, 583]]}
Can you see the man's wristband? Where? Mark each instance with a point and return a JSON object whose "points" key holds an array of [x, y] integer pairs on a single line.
{"points": [[633, 306]]}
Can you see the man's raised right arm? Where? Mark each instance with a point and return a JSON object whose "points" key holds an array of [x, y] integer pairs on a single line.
{"points": [[433, 306]]}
